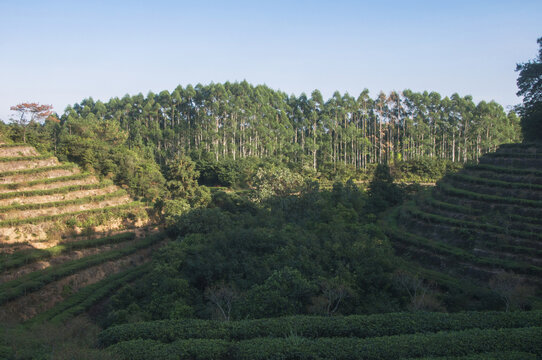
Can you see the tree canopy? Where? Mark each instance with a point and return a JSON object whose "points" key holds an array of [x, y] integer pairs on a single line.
{"points": [[530, 87]]}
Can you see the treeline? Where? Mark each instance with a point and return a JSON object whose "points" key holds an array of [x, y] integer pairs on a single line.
{"points": [[239, 120], [231, 130]]}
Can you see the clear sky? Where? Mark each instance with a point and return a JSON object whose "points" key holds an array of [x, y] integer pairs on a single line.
{"points": [[59, 52]]}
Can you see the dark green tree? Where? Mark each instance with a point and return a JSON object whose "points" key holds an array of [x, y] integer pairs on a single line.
{"points": [[383, 193], [182, 183], [530, 87]]}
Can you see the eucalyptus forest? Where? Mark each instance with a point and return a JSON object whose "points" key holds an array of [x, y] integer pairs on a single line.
{"points": [[235, 221], [239, 120]]}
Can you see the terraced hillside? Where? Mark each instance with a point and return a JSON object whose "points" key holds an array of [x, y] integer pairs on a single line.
{"points": [[63, 230], [41, 199], [481, 224]]}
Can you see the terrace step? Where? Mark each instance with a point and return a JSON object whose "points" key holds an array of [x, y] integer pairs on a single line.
{"points": [[27, 163], [32, 174], [36, 232], [513, 162], [50, 183], [63, 207], [58, 194], [18, 151]]}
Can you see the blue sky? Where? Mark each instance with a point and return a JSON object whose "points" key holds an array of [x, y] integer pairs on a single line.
{"points": [[59, 52]]}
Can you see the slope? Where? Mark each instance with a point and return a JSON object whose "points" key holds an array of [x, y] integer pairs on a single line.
{"points": [[481, 226]]}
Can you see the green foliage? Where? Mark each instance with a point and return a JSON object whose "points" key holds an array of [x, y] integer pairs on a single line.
{"points": [[226, 172], [232, 129], [357, 326], [202, 221], [453, 343], [503, 355], [173, 209], [276, 182], [182, 182], [530, 87], [192, 349], [74, 340], [272, 259], [425, 169], [383, 193], [100, 146], [233, 202], [396, 347], [284, 292]]}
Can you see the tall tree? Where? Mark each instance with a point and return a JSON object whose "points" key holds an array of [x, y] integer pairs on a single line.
{"points": [[530, 87]]}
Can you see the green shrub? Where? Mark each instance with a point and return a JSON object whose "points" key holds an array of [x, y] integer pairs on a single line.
{"points": [[360, 326], [192, 349], [455, 343], [504, 355]]}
